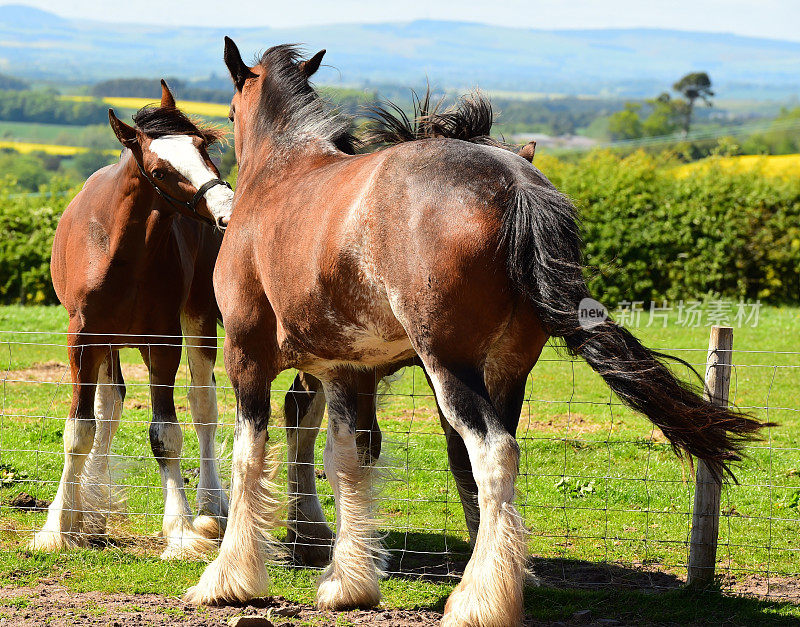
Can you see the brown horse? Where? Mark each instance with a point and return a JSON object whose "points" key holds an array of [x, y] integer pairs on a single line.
{"points": [[460, 253], [309, 538], [132, 264]]}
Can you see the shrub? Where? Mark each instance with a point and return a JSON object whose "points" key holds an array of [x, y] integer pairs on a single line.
{"points": [[28, 223], [651, 234]]}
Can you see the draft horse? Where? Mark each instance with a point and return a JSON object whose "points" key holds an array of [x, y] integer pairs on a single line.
{"points": [[309, 538], [132, 264], [460, 253]]}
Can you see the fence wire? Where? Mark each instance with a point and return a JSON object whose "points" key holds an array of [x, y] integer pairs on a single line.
{"points": [[604, 497]]}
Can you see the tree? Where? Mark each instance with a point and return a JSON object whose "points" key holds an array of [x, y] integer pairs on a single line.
{"points": [[666, 115], [626, 124], [693, 86]]}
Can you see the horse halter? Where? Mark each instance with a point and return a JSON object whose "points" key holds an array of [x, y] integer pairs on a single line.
{"points": [[192, 204]]}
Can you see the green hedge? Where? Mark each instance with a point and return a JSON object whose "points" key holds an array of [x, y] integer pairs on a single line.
{"points": [[649, 234], [28, 224]]}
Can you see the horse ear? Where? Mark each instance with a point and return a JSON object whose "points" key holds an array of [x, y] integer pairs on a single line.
{"points": [[528, 151], [310, 66], [167, 99], [125, 134], [240, 72]]}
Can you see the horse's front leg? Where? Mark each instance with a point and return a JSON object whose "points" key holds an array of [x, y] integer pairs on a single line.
{"points": [[239, 572], [351, 580], [64, 525], [309, 538], [201, 350], [166, 442]]}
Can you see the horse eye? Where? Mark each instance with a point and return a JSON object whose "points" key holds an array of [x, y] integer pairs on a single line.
{"points": [[158, 175]]}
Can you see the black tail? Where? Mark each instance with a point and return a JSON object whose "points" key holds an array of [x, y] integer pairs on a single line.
{"points": [[540, 234]]}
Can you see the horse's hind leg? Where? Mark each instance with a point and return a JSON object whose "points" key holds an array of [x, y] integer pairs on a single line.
{"points": [[490, 593], [166, 441], [64, 525], [460, 467], [351, 580], [212, 502], [309, 537], [100, 496]]}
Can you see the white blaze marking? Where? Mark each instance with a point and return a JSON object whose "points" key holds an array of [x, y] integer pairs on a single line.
{"points": [[183, 155]]}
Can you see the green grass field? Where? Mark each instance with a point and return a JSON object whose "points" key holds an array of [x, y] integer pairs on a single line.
{"points": [[598, 484]]}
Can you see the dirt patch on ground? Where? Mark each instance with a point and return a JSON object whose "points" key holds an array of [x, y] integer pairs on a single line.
{"points": [[52, 604], [567, 424], [25, 501], [49, 371], [774, 587], [54, 371]]}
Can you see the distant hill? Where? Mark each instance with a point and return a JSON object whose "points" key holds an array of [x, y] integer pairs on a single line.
{"points": [[632, 62]]}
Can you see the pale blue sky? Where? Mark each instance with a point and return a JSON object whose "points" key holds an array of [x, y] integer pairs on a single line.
{"points": [[777, 19]]}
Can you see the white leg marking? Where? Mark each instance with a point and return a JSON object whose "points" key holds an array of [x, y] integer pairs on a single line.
{"points": [[100, 496], [313, 538], [182, 540], [239, 573], [490, 592], [351, 580], [62, 529], [212, 502]]}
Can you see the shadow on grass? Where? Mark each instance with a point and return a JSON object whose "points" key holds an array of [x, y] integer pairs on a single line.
{"points": [[582, 592]]}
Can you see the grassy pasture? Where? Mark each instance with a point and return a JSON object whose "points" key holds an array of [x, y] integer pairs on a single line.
{"points": [[598, 484]]}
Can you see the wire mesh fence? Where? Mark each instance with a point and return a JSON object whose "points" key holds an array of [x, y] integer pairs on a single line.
{"points": [[603, 495]]}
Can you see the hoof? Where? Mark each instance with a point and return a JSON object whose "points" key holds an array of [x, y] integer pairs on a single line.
{"points": [[185, 544], [309, 551], [211, 527], [54, 541], [222, 583], [464, 608], [337, 593]]}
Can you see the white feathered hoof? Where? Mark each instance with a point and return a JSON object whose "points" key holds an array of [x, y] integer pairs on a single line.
{"points": [[186, 544], [465, 609], [55, 541], [335, 592], [223, 583], [211, 527]]}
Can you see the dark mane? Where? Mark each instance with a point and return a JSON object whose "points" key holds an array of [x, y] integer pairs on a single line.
{"points": [[470, 119], [157, 122], [389, 124], [291, 110]]}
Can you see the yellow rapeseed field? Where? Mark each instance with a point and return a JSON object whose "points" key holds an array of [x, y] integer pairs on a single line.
{"points": [[50, 149], [205, 109], [781, 166]]}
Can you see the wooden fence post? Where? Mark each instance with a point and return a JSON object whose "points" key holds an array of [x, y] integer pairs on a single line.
{"points": [[705, 514]]}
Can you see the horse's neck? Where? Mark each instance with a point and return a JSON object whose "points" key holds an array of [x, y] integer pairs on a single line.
{"points": [[136, 228], [265, 161]]}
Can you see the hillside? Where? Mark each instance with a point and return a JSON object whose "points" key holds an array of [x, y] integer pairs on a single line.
{"points": [[634, 62]]}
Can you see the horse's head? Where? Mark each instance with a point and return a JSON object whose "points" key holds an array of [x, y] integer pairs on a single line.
{"points": [[274, 99], [172, 154]]}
